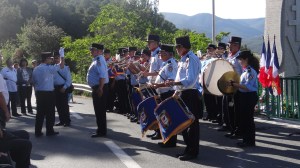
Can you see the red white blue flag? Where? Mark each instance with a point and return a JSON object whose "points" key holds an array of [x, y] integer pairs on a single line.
{"points": [[274, 72]]}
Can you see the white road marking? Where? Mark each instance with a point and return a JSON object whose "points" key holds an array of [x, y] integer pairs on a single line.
{"points": [[127, 160]]}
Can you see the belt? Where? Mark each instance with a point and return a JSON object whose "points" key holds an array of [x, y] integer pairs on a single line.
{"points": [[95, 87], [58, 86]]}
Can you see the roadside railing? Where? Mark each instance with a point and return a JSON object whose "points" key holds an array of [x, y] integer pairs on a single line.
{"points": [[286, 105], [82, 87]]}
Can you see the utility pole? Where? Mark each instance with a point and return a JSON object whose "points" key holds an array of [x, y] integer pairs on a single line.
{"points": [[155, 5], [213, 23]]}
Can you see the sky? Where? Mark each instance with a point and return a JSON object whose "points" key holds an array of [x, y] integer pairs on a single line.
{"points": [[227, 9]]}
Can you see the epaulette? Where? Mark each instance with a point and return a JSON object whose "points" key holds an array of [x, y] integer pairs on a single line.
{"points": [[248, 69]]}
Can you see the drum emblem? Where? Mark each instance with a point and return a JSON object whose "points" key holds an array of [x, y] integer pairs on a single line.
{"points": [[165, 119], [143, 115]]}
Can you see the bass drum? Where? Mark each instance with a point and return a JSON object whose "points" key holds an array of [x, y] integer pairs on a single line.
{"points": [[211, 73]]}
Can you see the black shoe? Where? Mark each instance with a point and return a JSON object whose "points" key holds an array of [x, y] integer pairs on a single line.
{"points": [[156, 136], [244, 144], [59, 124], [214, 121], [166, 145], [134, 119], [16, 115], [67, 125], [223, 129], [229, 135], [187, 157], [151, 135], [236, 136], [96, 135], [52, 133], [179, 155], [38, 134], [206, 118], [30, 112]]}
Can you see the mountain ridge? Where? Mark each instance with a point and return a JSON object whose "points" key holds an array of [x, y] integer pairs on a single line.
{"points": [[251, 30]]}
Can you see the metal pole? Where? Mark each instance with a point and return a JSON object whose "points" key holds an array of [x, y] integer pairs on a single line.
{"points": [[213, 23]]}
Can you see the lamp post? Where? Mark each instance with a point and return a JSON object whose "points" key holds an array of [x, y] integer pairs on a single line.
{"points": [[213, 23]]}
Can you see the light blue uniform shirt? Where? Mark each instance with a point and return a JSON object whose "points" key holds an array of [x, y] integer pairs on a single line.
{"points": [[236, 65], [167, 72], [189, 68], [65, 72], [43, 77], [155, 64], [97, 70], [249, 79]]}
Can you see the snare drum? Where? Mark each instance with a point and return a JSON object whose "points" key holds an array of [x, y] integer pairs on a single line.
{"points": [[211, 73], [173, 117], [147, 91], [146, 114]]}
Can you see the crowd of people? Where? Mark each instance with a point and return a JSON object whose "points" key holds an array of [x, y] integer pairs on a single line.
{"points": [[150, 72], [154, 71], [50, 79]]}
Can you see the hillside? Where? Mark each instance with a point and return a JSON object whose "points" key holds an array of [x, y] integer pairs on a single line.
{"points": [[251, 30]]}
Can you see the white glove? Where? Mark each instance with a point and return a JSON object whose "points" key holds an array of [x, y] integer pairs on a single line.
{"points": [[62, 52]]}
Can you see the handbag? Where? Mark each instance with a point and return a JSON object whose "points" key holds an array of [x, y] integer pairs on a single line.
{"points": [[69, 89]]}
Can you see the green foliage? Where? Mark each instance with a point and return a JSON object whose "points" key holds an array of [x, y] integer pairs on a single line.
{"points": [[10, 20], [198, 40], [221, 36], [37, 36]]}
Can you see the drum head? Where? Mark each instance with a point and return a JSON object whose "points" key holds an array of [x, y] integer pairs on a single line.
{"points": [[212, 73]]}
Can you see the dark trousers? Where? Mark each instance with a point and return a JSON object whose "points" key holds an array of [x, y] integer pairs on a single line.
{"points": [[122, 92], [247, 102], [62, 106], [25, 93], [210, 105], [230, 117], [100, 108], [191, 135], [111, 94], [213, 106], [12, 104], [45, 101], [18, 145]]}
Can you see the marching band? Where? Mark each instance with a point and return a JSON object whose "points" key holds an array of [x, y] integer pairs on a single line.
{"points": [[163, 94]]}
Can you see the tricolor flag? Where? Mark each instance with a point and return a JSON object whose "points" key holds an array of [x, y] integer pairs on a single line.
{"points": [[267, 67], [274, 72], [263, 76]]}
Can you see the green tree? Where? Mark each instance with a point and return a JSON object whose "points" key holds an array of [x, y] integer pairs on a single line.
{"points": [[221, 36], [37, 36], [198, 40], [10, 20]]}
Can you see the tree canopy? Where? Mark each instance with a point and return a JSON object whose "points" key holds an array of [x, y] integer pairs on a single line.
{"points": [[44, 25]]}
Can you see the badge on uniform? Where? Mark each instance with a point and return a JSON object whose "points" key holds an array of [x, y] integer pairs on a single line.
{"points": [[170, 68]]}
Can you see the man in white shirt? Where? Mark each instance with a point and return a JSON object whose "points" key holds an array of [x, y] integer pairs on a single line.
{"points": [[4, 98], [9, 74]]}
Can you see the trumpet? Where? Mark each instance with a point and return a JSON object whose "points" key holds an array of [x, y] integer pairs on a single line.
{"points": [[139, 75]]}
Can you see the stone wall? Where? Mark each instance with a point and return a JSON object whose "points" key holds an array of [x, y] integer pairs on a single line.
{"points": [[283, 21]]}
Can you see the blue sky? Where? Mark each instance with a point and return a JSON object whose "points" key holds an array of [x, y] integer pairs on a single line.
{"points": [[228, 9]]}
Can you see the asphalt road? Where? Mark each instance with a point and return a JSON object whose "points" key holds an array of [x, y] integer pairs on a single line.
{"points": [[124, 147]]}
